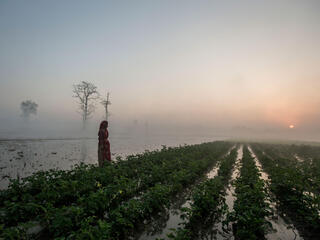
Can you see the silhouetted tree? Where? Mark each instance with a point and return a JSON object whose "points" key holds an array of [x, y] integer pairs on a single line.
{"points": [[106, 103], [28, 107], [86, 93]]}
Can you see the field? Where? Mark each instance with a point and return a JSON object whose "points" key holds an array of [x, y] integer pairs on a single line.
{"points": [[217, 190], [23, 157]]}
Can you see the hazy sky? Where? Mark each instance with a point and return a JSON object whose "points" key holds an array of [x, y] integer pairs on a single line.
{"points": [[197, 64]]}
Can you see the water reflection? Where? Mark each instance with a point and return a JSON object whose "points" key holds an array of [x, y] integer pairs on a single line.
{"points": [[83, 150], [24, 157], [280, 228], [225, 232], [171, 219], [161, 225]]}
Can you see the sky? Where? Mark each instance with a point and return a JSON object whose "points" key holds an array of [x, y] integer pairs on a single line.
{"points": [[194, 66]]}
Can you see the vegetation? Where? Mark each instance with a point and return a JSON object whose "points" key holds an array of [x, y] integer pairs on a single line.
{"points": [[91, 202], [250, 208], [112, 202], [208, 203], [294, 186], [86, 93]]}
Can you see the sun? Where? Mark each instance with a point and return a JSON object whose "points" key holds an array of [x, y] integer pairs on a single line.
{"points": [[291, 126]]}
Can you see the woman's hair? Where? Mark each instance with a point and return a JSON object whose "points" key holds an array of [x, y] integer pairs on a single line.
{"points": [[103, 124]]}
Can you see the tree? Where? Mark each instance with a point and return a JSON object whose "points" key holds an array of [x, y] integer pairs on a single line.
{"points": [[28, 107], [106, 103], [86, 93]]}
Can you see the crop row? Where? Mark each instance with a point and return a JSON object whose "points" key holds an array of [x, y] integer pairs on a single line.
{"points": [[120, 223], [310, 163], [305, 157], [250, 208], [305, 163], [89, 201], [290, 184], [207, 203], [69, 184]]}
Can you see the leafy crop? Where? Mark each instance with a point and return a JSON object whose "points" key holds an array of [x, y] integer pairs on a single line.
{"points": [[92, 202], [208, 203], [291, 183], [250, 208], [89, 202]]}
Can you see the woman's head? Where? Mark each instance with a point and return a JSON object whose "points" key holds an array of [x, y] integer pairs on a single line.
{"points": [[103, 124]]}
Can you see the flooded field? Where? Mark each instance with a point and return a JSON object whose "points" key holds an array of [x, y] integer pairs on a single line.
{"points": [[21, 158], [172, 218], [282, 229], [216, 190]]}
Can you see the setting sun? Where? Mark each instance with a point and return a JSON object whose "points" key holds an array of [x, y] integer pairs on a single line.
{"points": [[291, 126]]}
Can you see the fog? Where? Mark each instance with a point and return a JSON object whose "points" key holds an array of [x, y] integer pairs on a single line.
{"points": [[202, 68]]}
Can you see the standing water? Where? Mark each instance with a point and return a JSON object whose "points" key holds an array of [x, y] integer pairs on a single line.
{"points": [[282, 230], [173, 219], [235, 174], [21, 158], [299, 159], [214, 171], [230, 198]]}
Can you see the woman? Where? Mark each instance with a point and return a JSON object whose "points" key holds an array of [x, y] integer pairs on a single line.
{"points": [[104, 154]]}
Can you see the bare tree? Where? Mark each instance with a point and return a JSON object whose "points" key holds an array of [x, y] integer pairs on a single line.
{"points": [[106, 103], [86, 93], [28, 107]]}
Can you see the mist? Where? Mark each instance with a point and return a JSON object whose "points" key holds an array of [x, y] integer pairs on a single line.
{"points": [[237, 70]]}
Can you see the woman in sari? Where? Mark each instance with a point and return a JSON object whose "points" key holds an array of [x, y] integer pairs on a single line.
{"points": [[104, 154]]}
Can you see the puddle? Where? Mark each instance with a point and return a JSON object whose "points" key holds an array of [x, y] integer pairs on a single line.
{"points": [[159, 228], [212, 173], [299, 159], [235, 174], [313, 196], [264, 176], [281, 229], [162, 225]]}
